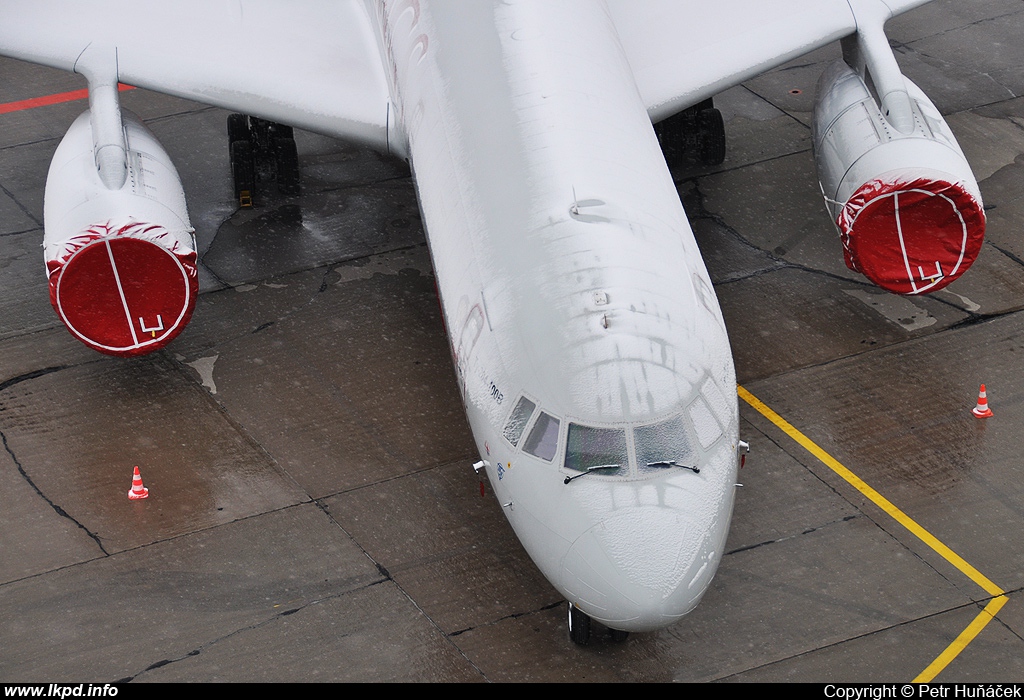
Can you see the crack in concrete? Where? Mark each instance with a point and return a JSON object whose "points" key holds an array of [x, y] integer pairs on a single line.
{"points": [[381, 568], [1012, 256], [975, 319], [792, 537], [325, 284], [31, 375], [1005, 625], [12, 146], [939, 62], [704, 213], [24, 209], [57, 509], [959, 28], [369, 184], [18, 233], [510, 616], [247, 628], [782, 111]]}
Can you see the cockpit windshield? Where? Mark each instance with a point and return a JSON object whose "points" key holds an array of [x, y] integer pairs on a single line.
{"points": [[596, 447], [624, 451], [663, 444]]}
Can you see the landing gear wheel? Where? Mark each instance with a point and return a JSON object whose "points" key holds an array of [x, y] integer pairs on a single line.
{"points": [[618, 636], [579, 626], [238, 128], [698, 130], [282, 131], [671, 135], [261, 151], [243, 172], [287, 158], [710, 137]]}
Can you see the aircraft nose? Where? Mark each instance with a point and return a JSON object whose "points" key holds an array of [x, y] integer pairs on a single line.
{"points": [[640, 568]]}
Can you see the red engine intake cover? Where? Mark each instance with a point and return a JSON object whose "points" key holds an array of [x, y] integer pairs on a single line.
{"points": [[125, 296], [911, 237]]}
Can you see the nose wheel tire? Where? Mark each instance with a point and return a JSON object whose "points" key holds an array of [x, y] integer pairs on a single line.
{"points": [[579, 626], [618, 636]]}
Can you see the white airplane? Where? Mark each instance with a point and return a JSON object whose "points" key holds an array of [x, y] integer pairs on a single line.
{"points": [[588, 343]]}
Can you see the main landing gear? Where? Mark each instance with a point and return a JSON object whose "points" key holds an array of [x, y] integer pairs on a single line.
{"points": [[699, 129], [580, 626], [261, 151]]}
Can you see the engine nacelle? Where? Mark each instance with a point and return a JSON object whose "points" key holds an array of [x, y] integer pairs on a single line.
{"points": [[907, 206], [121, 263]]}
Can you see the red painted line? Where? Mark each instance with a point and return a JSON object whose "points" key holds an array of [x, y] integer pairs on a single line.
{"points": [[47, 100]]}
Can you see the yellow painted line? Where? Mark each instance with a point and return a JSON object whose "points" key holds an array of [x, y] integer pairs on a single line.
{"points": [[983, 618], [961, 642]]}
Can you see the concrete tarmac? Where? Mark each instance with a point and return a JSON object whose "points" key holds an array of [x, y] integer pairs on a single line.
{"points": [[314, 515]]}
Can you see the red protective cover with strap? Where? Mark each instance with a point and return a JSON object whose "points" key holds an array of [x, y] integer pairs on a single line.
{"points": [[123, 295], [911, 236]]}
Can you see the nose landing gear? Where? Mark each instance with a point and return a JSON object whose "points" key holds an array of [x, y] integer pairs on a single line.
{"points": [[580, 626]]}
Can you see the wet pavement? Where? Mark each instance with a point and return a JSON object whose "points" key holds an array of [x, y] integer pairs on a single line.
{"points": [[313, 511]]}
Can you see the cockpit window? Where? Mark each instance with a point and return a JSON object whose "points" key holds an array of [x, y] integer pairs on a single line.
{"points": [[596, 447], [716, 399], [704, 421], [517, 421], [662, 444], [543, 439]]}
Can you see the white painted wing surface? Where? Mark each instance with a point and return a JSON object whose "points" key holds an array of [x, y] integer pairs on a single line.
{"points": [[684, 52], [314, 64]]}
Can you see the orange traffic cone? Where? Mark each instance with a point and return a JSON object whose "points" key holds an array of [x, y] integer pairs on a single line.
{"points": [[982, 410], [138, 491]]}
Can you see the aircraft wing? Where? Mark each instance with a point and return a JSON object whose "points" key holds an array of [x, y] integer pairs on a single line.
{"points": [[314, 64], [682, 54]]}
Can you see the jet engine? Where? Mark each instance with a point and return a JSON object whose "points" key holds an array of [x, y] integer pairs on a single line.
{"points": [[905, 201], [121, 257]]}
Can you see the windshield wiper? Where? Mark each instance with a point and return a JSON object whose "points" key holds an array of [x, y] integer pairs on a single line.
{"points": [[673, 463], [590, 469]]}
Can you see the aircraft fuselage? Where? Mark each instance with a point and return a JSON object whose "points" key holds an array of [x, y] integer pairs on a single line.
{"points": [[583, 325]]}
